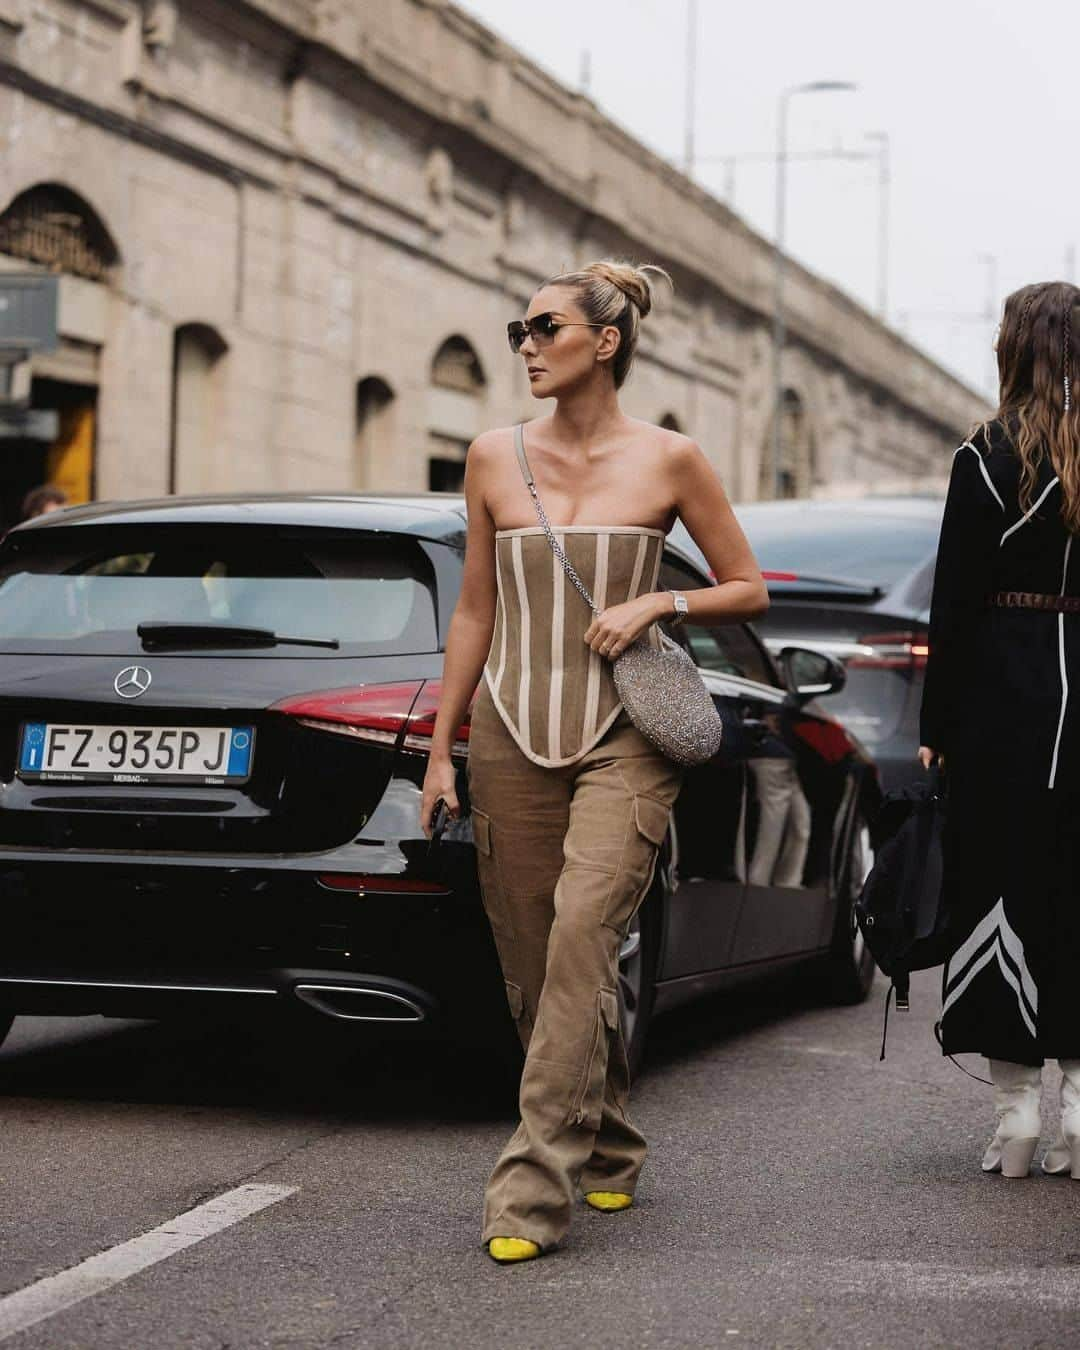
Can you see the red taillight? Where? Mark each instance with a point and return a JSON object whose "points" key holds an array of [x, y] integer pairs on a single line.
{"points": [[890, 651], [372, 712], [384, 714], [780, 576], [421, 726]]}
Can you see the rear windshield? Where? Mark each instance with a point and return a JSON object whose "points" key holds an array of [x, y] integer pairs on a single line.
{"points": [[838, 541], [90, 587]]}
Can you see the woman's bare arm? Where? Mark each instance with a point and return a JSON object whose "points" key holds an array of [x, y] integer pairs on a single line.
{"points": [[739, 593], [469, 635]]}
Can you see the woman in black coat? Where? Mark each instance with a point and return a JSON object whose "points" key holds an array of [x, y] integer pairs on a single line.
{"points": [[1001, 706]]}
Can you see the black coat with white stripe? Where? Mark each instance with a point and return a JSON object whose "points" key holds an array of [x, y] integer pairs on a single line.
{"points": [[1002, 701]]}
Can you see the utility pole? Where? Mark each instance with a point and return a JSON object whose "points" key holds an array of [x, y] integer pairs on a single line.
{"points": [[691, 86], [585, 79], [780, 258], [990, 262], [884, 181]]}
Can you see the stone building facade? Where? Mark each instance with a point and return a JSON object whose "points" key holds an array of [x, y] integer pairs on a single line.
{"points": [[290, 234]]}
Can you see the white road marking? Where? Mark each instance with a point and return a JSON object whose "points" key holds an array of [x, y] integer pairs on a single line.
{"points": [[1048, 1287], [98, 1273]]}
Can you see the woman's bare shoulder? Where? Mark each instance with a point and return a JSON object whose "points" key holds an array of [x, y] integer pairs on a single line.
{"points": [[676, 452], [496, 442], [487, 452], [662, 439]]}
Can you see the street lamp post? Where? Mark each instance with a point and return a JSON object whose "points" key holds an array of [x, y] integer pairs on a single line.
{"points": [[779, 327]]}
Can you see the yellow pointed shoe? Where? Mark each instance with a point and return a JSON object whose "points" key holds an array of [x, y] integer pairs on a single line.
{"points": [[512, 1249], [608, 1201]]}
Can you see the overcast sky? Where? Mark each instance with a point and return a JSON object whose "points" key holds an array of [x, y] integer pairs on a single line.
{"points": [[979, 99]]}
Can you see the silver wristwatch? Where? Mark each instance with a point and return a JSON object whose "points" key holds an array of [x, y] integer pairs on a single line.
{"points": [[682, 609]]}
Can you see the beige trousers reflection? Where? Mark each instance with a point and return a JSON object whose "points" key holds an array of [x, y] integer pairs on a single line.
{"points": [[565, 856], [783, 838]]}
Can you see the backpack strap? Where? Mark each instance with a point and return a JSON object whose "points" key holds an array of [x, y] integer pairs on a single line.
{"points": [[900, 986]]}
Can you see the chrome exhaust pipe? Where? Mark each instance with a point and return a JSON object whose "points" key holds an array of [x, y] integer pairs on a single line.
{"points": [[356, 1003]]}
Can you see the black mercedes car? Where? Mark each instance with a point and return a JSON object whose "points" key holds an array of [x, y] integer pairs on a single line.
{"points": [[214, 721], [853, 578]]}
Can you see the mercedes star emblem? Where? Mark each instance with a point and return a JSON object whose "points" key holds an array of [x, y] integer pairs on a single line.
{"points": [[132, 681]]}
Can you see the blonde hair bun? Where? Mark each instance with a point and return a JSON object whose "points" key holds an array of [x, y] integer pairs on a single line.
{"points": [[633, 281], [618, 293]]}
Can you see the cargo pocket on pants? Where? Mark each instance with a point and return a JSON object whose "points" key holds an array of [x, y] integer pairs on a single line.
{"points": [[519, 1011], [587, 1107], [636, 869], [487, 867]]}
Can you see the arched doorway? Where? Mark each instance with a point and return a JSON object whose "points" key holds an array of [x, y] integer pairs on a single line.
{"points": [[198, 407], [374, 433], [50, 435], [791, 473], [455, 406]]}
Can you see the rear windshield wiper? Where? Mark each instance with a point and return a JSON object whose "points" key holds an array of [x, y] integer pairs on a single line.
{"points": [[221, 635], [823, 583]]}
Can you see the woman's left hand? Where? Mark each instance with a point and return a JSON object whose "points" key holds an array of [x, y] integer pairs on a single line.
{"points": [[613, 630]]}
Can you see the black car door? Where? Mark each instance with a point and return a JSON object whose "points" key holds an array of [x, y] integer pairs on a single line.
{"points": [[759, 818], [788, 829], [709, 821]]}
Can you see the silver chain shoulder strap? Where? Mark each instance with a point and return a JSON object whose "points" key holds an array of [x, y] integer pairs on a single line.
{"points": [[568, 566], [659, 687]]}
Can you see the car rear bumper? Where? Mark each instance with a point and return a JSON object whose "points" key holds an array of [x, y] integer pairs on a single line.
{"points": [[176, 992], [93, 933]]}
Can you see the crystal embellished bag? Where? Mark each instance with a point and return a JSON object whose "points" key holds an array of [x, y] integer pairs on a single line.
{"points": [[660, 688]]}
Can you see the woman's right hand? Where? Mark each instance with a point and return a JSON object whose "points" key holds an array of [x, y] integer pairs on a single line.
{"points": [[440, 780]]}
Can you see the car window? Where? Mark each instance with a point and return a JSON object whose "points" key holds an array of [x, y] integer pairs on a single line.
{"points": [[726, 649], [91, 586], [834, 540]]}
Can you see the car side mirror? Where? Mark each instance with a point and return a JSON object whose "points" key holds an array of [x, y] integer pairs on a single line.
{"points": [[809, 674]]}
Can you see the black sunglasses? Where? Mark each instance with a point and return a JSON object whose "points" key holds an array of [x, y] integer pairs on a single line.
{"points": [[541, 329]]}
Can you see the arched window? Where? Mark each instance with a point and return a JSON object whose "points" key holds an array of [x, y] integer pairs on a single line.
{"points": [[670, 422], [374, 436], [51, 225], [455, 403], [793, 476], [457, 366], [198, 408]]}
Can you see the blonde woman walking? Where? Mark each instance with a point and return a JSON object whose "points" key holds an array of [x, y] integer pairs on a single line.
{"points": [[569, 800], [1002, 705]]}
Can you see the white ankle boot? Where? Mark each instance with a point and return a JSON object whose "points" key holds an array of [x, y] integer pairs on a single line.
{"points": [[1017, 1093], [1063, 1155]]}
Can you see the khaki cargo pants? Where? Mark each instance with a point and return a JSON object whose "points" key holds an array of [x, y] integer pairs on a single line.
{"points": [[565, 855]]}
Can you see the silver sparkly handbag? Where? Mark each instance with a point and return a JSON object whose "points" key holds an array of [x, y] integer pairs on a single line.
{"points": [[660, 688]]}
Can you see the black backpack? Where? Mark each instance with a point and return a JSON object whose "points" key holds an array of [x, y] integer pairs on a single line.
{"points": [[901, 911]]}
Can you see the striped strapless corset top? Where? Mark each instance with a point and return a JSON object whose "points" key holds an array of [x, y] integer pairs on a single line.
{"points": [[555, 694]]}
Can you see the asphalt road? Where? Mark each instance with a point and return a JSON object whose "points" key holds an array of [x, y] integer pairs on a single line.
{"points": [[798, 1193]]}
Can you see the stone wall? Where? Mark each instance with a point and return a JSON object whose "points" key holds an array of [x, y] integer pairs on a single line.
{"points": [[326, 192]]}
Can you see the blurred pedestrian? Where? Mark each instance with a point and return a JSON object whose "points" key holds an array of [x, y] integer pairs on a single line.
{"points": [[1001, 704], [41, 500], [569, 800]]}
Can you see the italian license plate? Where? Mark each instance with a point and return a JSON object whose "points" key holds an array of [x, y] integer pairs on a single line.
{"points": [[69, 753]]}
